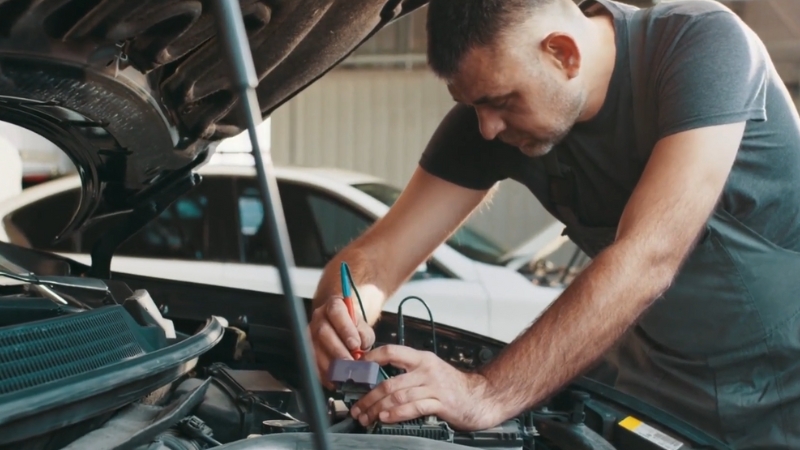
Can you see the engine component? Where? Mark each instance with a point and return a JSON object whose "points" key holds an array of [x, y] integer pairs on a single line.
{"points": [[238, 402], [142, 297], [258, 383], [572, 436], [304, 441], [507, 435], [354, 379], [174, 440], [197, 429], [429, 427], [337, 410], [61, 371], [284, 426], [139, 424]]}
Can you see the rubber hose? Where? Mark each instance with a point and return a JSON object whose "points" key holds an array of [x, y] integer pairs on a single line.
{"points": [[347, 425]]}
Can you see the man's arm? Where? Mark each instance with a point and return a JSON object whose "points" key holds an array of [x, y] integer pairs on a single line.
{"points": [[671, 204], [426, 213], [675, 196]]}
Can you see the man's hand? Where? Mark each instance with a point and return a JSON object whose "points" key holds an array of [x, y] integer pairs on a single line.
{"points": [[430, 386], [334, 335], [428, 211]]}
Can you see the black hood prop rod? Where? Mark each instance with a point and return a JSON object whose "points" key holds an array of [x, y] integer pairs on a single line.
{"points": [[235, 48]]}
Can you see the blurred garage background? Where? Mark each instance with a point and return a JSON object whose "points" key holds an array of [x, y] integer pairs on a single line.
{"points": [[375, 112]]}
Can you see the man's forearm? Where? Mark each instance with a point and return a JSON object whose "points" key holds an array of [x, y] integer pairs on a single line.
{"points": [[366, 275], [584, 322]]}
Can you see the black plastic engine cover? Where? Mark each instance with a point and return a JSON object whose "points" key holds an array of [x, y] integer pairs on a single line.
{"points": [[507, 435], [428, 428], [238, 402], [304, 441]]}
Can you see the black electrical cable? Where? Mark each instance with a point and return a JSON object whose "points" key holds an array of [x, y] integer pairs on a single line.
{"points": [[401, 330], [355, 289], [211, 442], [234, 47], [345, 426]]}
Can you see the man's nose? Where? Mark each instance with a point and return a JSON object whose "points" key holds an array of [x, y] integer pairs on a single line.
{"points": [[490, 124]]}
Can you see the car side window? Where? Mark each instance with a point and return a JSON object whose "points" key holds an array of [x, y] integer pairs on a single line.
{"points": [[182, 231], [253, 239], [318, 225], [253, 234], [187, 229], [338, 224]]}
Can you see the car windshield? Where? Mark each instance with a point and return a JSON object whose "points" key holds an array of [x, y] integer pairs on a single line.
{"points": [[465, 240]]}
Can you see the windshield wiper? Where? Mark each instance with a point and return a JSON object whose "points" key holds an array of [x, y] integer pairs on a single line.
{"points": [[91, 284]]}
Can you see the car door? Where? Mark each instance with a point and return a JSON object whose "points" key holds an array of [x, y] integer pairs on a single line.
{"points": [[255, 268], [189, 241], [320, 224]]}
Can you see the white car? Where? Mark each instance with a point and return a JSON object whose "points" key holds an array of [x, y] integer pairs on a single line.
{"points": [[214, 235]]}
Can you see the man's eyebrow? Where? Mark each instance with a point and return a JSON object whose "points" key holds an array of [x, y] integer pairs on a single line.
{"points": [[488, 99]]}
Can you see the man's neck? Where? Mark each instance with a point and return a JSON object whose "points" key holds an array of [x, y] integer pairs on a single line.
{"points": [[601, 55]]}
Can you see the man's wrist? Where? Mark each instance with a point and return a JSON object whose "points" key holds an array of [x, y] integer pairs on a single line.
{"points": [[487, 399]]}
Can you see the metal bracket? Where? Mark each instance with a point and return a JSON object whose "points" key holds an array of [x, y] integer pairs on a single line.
{"points": [[104, 249]]}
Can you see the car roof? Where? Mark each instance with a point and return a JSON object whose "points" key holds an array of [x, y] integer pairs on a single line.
{"points": [[320, 176], [240, 164]]}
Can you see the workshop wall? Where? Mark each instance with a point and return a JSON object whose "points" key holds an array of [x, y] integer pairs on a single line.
{"points": [[378, 122]]}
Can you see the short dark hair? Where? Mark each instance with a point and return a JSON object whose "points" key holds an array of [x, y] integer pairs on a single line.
{"points": [[457, 26]]}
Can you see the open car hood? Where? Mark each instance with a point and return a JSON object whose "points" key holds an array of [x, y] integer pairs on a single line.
{"points": [[540, 245], [136, 92]]}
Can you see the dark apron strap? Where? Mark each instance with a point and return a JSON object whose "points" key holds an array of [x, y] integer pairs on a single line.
{"points": [[644, 121], [561, 188]]}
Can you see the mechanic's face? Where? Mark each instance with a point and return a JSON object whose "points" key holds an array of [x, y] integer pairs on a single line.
{"points": [[525, 93]]}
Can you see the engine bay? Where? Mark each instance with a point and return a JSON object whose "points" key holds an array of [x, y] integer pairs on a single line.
{"points": [[138, 363]]}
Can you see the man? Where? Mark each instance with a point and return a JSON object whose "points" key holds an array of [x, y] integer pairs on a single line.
{"points": [[666, 142]]}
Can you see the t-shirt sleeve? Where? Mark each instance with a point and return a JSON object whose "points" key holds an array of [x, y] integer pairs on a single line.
{"points": [[715, 73], [458, 153]]}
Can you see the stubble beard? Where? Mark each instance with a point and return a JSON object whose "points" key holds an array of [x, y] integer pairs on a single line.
{"points": [[568, 107]]}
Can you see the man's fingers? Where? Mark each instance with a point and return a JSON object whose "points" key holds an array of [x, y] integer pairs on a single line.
{"points": [[367, 335], [409, 411], [399, 356], [385, 389], [340, 319], [323, 363], [394, 400], [330, 343]]}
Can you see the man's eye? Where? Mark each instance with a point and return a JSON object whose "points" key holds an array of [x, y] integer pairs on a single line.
{"points": [[501, 104]]}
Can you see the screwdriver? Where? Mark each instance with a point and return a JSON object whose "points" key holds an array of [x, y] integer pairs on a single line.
{"points": [[348, 302]]}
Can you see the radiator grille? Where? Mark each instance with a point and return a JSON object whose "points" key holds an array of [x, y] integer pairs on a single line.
{"points": [[42, 352]]}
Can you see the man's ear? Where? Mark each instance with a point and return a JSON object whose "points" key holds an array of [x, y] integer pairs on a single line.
{"points": [[562, 50]]}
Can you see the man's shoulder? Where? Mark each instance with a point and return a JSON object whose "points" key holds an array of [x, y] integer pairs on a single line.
{"points": [[687, 9], [682, 27], [673, 16]]}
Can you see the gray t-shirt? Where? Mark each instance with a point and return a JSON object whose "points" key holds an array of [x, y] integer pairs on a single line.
{"points": [[707, 68]]}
